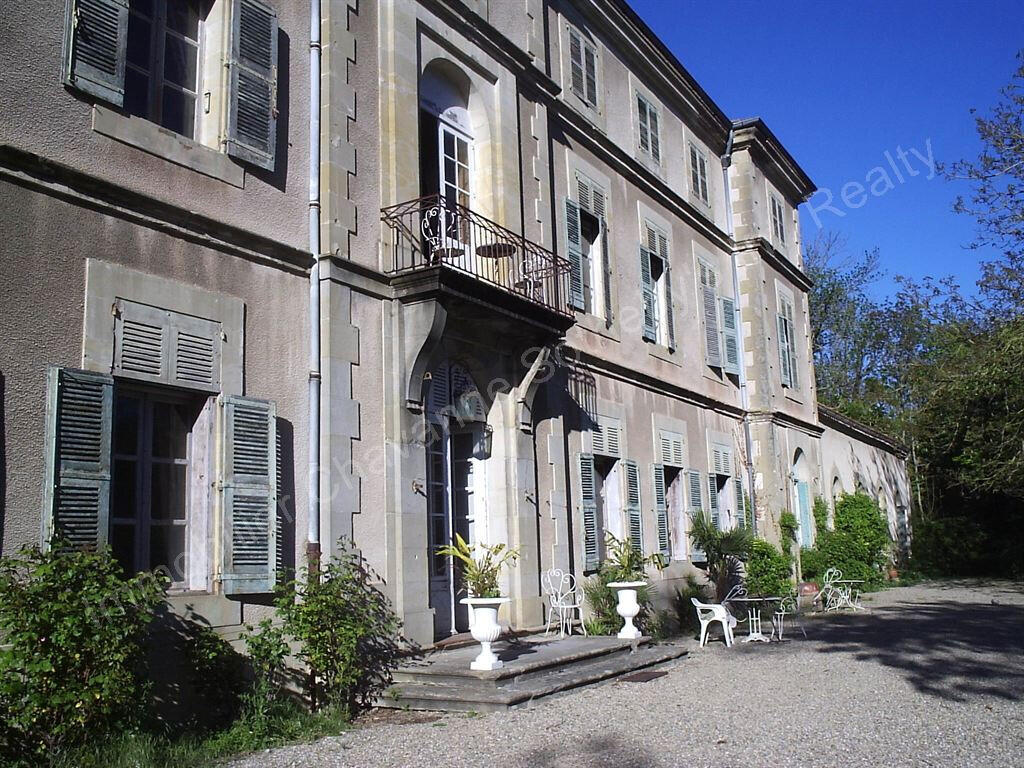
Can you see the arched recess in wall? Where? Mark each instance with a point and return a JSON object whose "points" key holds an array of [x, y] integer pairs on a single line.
{"points": [[837, 488], [800, 474], [454, 137]]}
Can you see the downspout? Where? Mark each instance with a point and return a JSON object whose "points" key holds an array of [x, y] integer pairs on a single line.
{"points": [[313, 512], [744, 392]]}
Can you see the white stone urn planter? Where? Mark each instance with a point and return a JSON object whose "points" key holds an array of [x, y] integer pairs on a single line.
{"points": [[628, 606], [485, 629]]}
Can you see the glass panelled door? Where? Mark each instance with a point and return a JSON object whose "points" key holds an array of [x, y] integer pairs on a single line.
{"points": [[454, 176]]}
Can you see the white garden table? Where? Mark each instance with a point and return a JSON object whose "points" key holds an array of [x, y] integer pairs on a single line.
{"points": [[754, 606]]}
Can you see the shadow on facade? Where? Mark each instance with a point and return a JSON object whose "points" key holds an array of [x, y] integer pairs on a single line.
{"points": [[3, 458], [285, 498], [945, 649]]}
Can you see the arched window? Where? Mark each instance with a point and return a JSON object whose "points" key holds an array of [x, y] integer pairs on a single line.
{"points": [[800, 475]]}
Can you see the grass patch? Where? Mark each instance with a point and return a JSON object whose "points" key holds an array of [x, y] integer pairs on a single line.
{"points": [[287, 723]]}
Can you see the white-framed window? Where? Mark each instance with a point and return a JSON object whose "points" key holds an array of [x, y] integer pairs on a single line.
{"points": [[583, 67], [787, 342], [778, 215], [147, 57], [656, 286], [648, 128], [699, 174]]}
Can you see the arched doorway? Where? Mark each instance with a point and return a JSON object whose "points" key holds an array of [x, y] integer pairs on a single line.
{"points": [[457, 449]]}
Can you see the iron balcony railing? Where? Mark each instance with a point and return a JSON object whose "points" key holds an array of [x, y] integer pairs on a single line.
{"points": [[433, 232]]}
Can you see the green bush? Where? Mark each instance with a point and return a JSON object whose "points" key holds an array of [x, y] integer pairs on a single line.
{"points": [[768, 571], [347, 631], [820, 515], [725, 551], [71, 665], [858, 546], [217, 674], [267, 651]]}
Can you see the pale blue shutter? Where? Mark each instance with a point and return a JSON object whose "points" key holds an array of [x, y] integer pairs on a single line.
{"points": [[576, 64], [606, 268], [652, 118], [79, 411], [248, 487], [791, 337], [650, 302], [574, 248], [785, 358], [741, 503], [709, 298], [670, 325], [730, 338], [693, 484], [642, 121], [588, 502], [713, 499], [252, 116], [803, 492], [661, 511], [590, 68], [633, 512], [95, 44]]}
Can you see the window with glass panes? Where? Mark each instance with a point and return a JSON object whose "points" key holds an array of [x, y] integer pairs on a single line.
{"points": [[162, 63]]}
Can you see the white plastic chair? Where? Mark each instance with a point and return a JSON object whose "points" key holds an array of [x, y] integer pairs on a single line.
{"points": [[707, 614], [563, 600]]}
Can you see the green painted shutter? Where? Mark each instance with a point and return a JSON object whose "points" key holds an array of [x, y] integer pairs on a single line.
{"points": [[645, 136], [791, 337], [588, 502], [606, 269], [785, 358], [633, 513], [574, 247], [713, 500], [661, 510], [803, 492], [576, 64], [741, 503], [248, 488], [252, 116], [650, 302], [590, 70], [693, 484], [79, 414], [730, 338], [670, 325], [709, 300], [95, 45], [652, 119]]}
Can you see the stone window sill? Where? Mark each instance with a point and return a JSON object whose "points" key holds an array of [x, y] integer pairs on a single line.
{"points": [[152, 138]]}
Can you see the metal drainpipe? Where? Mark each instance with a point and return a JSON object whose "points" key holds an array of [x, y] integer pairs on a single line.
{"points": [[744, 393], [313, 512]]}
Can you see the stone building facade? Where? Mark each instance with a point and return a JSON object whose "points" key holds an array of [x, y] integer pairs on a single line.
{"points": [[561, 294]]}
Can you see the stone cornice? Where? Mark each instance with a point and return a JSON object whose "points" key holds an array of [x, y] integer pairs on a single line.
{"points": [[753, 134], [832, 418], [780, 263], [785, 420]]}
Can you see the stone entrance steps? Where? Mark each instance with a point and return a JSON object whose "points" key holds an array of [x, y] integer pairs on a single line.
{"points": [[534, 667]]}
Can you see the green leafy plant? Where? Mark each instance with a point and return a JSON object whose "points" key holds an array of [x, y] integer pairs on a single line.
{"points": [[623, 563], [267, 651], [859, 545], [479, 575], [626, 561], [724, 550], [788, 527], [769, 572], [71, 662], [347, 632], [217, 673]]}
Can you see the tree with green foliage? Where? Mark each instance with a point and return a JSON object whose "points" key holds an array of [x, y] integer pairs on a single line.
{"points": [[724, 551]]}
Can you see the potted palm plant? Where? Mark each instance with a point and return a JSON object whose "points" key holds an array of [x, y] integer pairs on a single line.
{"points": [[725, 551], [629, 566], [483, 595]]}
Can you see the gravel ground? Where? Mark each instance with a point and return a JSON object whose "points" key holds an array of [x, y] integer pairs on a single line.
{"points": [[933, 675]]}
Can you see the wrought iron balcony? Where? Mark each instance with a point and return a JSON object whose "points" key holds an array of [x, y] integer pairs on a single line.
{"points": [[431, 233]]}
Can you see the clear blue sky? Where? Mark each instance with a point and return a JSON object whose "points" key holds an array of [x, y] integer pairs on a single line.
{"points": [[842, 83]]}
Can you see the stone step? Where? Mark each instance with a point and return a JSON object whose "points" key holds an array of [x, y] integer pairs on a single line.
{"points": [[469, 693]]}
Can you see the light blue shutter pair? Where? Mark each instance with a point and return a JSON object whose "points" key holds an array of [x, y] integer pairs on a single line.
{"points": [[730, 338], [96, 45], [661, 511], [588, 504], [696, 504], [633, 513]]}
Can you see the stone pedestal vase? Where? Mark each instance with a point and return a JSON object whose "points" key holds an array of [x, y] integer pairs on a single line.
{"points": [[628, 606], [485, 629]]}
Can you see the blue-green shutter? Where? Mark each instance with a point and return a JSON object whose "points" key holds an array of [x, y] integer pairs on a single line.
{"points": [[79, 415], [741, 503], [606, 268], [650, 332], [730, 338], [661, 510], [803, 493], [95, 46], [252, 102], [248, 487], [574, 249], [713, 499], [632, 507], [696, 504], [785, 356], [588, 504]]}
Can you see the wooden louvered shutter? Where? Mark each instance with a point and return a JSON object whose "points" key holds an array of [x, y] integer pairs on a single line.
{"points": [[670, 325], [280, 514], [694, 171], [576, 64], [803, 492], [713, 499], [248, 488], [696, 504], [252, 120], [712, 337], [632, 506], [670, 448], [590, 72], [574, 248], [606, 271], [652, 120], [787, 309], [741, 503], [79, 409], [785, 359], [650, 301], [643, 123], [661, 511], [588, 503], [730, 338], [95, 45]]}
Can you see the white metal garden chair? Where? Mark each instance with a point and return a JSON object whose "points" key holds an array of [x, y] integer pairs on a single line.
{"points": [[789, 607], [563, 600]]}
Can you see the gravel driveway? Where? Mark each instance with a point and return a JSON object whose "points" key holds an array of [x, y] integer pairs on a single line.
{"points": [[933, 675]]}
